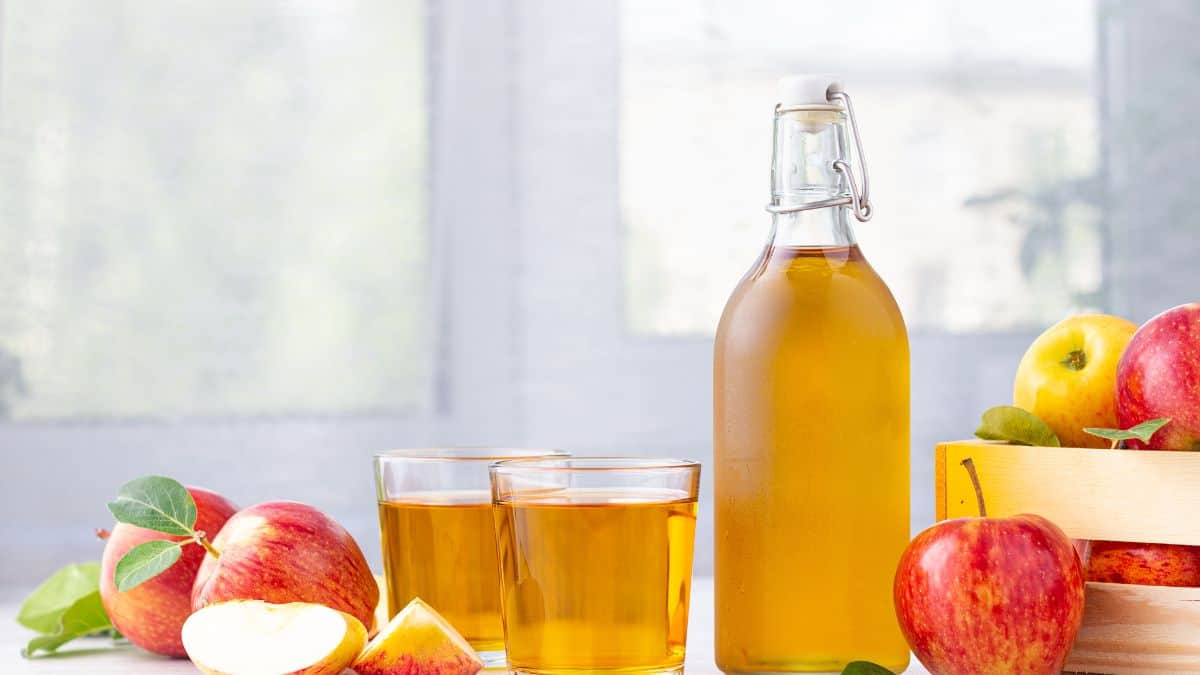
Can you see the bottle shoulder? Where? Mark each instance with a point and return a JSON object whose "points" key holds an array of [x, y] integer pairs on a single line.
{"points": [[799, 288]]}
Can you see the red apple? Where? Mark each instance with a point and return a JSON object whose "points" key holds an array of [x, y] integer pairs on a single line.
{"points": [[151, 615], [1146, 564], [1159, 376], [990, 595], [283, 552]]}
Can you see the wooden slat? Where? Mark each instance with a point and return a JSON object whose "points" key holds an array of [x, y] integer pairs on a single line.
{"points": [[1119, 495], [1138, 630]]}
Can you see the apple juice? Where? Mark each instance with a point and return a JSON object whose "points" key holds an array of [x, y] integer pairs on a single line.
{"points": [[596, 579], [441, 547], [811, 430]]}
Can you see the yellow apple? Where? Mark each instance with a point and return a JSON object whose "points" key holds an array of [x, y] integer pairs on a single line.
{"points": [[1068, 376], [252, 637], [418, 640]]}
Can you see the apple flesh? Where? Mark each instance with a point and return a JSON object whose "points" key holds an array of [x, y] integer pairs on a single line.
{"points": [[1068, 375], [1159, 376], [1146, 564], [284, 552], [381, 608], [251, 637], [418, 640], [151, 615], [990, 595]]}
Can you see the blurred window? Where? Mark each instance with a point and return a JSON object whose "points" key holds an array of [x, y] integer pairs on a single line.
{"points": [[981, 130], [212, 210]]}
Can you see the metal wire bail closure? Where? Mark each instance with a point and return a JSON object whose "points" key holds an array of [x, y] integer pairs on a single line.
{"points": [[860, 202]]}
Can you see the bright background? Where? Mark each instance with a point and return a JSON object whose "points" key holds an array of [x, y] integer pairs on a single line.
{"points": [[248, 244]]}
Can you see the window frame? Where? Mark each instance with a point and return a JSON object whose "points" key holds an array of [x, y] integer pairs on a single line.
{"points": [[529, 340], [471, 300], [569, 197]]}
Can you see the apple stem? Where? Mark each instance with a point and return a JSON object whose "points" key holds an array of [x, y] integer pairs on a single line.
{"points": [[202, 539], [969, 464]]}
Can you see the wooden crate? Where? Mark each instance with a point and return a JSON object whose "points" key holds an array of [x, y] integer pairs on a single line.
{"points": [[1119, 495]]}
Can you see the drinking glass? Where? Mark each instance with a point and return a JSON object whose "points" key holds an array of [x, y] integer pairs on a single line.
{"points": [[595, 562], [435, 517]]}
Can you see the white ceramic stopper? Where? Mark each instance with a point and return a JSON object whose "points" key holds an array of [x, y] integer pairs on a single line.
{"points": [[804, 89]]}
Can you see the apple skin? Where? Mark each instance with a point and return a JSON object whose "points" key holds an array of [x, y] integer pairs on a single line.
{"points": [[1146, 564], [990, 596], [283, 552], [1159, 376], [1070, 398], [151, 615]]}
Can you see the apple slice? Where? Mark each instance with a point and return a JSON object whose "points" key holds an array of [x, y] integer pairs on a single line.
{"points": [[252, 637], [418, 640]]}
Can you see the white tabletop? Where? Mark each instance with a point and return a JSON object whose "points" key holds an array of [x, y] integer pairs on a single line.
{"points": [[102, 659]]}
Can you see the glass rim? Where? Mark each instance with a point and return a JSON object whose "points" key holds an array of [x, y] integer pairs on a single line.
{"points": [[592, 463], [469, 453]]}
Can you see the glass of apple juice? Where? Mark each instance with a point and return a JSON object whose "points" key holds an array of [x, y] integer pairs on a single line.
{"points": [[595, 562], [435, 518]]}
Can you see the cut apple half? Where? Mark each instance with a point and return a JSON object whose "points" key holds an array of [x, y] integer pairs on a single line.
{"points": [[418, 640], [252, 637]]}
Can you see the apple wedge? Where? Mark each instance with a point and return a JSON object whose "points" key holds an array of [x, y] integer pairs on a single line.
{"points": [[418, 640], [252, 637]]}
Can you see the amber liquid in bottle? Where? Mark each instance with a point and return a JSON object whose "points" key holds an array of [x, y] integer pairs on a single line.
{"points": [[811, 435]]}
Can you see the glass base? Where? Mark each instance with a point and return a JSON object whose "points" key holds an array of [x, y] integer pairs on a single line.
{"points": [[493, 659]]}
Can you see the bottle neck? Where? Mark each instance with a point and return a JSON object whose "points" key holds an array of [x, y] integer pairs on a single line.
{"points": [[807, 142]]}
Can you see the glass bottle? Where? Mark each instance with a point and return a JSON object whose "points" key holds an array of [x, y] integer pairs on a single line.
{"points": [[811, 425]]}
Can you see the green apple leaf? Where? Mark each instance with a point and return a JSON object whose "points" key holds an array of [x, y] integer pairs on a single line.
{"points": [[1141, 432], [144, 562], [156, 503], [44, 607], [84, 617], [1015, 425], [865, 668]]}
